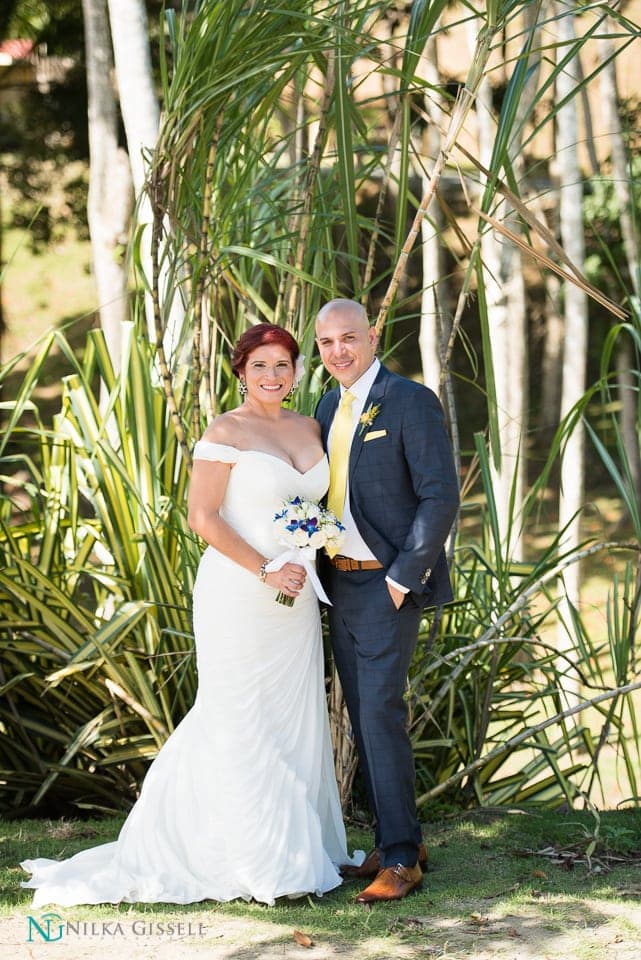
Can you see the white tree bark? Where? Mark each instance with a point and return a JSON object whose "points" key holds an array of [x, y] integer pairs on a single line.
{"points": [[618, 154], [433, 328], [505, 295], [517, 386], [576, 321], [141, 117], [552, 362], [110, 198], [138, 101], [621, 179]]}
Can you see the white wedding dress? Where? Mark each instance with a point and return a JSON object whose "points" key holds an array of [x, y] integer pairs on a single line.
{"points": [[242, 800]]}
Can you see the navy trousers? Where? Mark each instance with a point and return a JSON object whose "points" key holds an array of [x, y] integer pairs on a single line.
{"points": [[373, 644]]}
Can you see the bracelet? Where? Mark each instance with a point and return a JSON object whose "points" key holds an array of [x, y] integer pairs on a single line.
{"points": [[262, 573]]}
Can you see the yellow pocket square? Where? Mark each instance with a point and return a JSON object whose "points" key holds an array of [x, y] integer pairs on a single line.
{"points": [[374, 434]]}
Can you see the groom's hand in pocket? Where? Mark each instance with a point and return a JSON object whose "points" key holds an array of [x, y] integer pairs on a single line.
{"points": [[397, 595]]}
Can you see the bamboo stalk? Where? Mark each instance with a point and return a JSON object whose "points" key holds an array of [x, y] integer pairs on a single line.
{"points": [[155, 189], [382, 195], [462, 107], [523, 737], [117, 691], [546, 261], [518, 604], [197, 359], [543, 232], [309, 189], [345, 757]]}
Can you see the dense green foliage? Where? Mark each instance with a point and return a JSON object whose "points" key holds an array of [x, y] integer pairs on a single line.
{"points": [[96, 576], [96, 570], [256, 192]]}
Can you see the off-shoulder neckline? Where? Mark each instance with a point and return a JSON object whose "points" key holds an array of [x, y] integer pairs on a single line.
{"points": [[264, 453]]}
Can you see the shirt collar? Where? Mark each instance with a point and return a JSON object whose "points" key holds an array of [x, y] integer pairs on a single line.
{"points": [[363, 385]]}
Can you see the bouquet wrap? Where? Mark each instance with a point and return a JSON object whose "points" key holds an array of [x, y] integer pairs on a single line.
{"points": [[304, 556]]}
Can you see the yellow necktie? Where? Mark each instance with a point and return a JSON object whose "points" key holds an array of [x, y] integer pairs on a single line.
{"points": [[341, 441]]}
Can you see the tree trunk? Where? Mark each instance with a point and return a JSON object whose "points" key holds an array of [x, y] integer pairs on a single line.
{"points": [[576, 325], [506, 312], [141, 117], [628, 382], [621, 180], [512, 277], [138, 101], [110, 198], [2, 320], [552, 362], [433, 332]]}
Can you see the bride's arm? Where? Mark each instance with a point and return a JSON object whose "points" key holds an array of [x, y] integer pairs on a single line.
{"points": [[207, 488]]}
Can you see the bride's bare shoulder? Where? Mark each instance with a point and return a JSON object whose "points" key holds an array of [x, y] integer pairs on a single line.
{"points": [[224, 429], [307, 426]]}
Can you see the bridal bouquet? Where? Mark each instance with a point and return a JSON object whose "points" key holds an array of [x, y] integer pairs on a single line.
{"points": [[304, 526]]}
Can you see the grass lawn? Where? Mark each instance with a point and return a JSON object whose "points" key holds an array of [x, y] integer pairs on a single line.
{"points": [[515, 885]]}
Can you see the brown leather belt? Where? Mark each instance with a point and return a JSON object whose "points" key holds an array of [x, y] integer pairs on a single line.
{"points": [[346, 563]]}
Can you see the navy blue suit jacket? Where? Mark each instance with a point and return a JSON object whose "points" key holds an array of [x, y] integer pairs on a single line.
{"points": [[402, 482]]}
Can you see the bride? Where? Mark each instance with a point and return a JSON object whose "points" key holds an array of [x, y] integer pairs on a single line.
{"points": [[242, 800]]}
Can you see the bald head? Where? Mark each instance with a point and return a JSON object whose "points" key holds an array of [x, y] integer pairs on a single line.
{"points": [[345, 340], [344, 307]]}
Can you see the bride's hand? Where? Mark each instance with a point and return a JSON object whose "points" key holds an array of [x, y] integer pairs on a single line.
{"points": [[290, 579]]}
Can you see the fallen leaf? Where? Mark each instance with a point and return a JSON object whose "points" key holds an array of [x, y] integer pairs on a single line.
{"points": [[302, 939], [479, 920], [513, 932]]}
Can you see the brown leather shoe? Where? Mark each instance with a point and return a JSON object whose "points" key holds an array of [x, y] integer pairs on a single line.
{"points": [[372, 864], [392, 883]]}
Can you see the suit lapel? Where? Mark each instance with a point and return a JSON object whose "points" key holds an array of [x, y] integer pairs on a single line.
{"points": [[326, 422], [375, 395]]}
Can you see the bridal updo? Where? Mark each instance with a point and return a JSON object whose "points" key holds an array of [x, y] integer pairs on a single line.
{"points": [[258, 336]]}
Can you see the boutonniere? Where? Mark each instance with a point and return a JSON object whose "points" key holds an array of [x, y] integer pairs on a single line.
{"points": [[368, 417]]}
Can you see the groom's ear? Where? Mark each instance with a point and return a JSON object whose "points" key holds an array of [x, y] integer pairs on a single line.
{"points": [[372, 336]]}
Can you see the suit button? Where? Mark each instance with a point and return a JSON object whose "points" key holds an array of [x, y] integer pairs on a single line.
{"points": [[426, 576]]}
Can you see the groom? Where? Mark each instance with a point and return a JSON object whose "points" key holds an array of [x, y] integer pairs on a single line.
{"points": [[393, 483]]}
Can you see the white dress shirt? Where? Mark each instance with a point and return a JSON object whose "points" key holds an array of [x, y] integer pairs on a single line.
{"points": [[353, 545]]}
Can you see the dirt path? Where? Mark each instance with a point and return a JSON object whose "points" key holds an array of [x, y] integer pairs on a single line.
{"points": [[550, 930]]}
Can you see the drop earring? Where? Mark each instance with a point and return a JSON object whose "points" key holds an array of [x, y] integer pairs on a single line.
{"points": [[242, 387]]}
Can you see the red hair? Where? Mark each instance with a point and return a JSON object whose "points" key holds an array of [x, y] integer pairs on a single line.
{"points": [[258, 336]]}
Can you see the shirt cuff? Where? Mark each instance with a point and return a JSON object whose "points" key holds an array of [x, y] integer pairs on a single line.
{"points": [[398, 585]]}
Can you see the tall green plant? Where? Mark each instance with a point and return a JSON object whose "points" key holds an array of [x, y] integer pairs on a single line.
{"points": [[95, 578], [266, 144]]}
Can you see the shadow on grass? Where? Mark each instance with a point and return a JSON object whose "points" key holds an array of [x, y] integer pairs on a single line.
{"points": [[518, 884]]}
